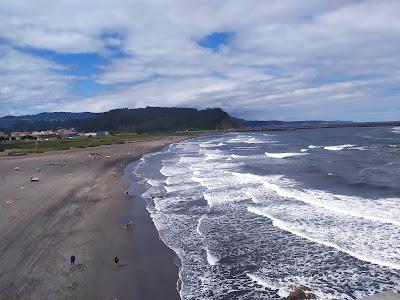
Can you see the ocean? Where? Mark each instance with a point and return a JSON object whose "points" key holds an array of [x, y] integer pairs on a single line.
{"points": [[253, 214]]}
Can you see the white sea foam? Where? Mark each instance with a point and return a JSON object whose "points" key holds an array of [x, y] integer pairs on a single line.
{"points": [[361, 148], [247, 139], [283, 287], [208, 145], [303, 150], [222, 196], [395, 130], [249, 148], [211, 259], [371, 209], [269, 284], [214, 156], [189, 159], [178, 187], [199, 225], [338, 147], [157, 203], [316, 236], [173, 180], [283, 155], [384, 210], [196, 233], [173, 170], [254, 140], [238, 139], [153, 182], [238, 156]]}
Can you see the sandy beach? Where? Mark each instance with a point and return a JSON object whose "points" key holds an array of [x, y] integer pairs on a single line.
{"points": [[77, 208]]}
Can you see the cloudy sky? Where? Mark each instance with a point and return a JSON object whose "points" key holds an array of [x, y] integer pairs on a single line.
{"points": [[257, 59]]}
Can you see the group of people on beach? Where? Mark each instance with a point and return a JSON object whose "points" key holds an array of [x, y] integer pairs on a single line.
{"points": [[72, 259], [127, 226]]}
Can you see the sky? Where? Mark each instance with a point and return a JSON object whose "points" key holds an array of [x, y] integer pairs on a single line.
{"points": [[256, 59]]}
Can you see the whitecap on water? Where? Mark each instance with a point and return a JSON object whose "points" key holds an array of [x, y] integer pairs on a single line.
{"points": [[338, 147], [284, 155]]}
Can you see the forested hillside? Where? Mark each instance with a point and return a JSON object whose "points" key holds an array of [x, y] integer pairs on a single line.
{"points": [[149, 119]]}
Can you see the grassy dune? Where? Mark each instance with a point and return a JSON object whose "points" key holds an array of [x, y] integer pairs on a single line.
{"points": [[26, 147]]}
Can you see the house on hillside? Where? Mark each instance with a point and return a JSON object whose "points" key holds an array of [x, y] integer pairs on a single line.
{"points": [[46, 135], [71, 135], [97, 133], [102, 133], [3, 136], [21, 135], [90, 134], [68, 133]]}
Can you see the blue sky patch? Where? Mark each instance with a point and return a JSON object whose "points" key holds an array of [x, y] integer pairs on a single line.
{"points": [[79, 64], [88, 87], [215, 40]]}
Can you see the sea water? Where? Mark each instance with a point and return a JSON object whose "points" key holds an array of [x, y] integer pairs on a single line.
{"points": [[252, 215]]}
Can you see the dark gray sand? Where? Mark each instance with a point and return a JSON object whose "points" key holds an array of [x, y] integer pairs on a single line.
{"points": [[77, 208]]}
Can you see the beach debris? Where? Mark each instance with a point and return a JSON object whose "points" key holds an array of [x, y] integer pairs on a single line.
{"points": [[34, 179], [95, 155], [22, 187], [108, 156], [10, 201], [17, 169]]}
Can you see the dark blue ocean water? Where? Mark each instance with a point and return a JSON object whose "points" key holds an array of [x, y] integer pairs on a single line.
{"points": [[251, 215]]}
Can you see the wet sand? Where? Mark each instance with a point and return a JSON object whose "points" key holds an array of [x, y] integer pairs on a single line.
{"points": [[77, 208]]}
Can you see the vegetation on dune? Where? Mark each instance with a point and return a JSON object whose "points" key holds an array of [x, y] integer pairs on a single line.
{"points": [[29, 146]]}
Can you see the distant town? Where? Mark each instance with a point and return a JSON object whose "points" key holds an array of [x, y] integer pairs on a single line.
{"points": [[47, 135]]}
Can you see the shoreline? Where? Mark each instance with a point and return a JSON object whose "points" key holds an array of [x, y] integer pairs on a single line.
{"points": [[158, 263], [77, 208]]}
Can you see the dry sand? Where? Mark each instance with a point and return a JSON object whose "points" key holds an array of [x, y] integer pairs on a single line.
{"points": [[76, 209]]}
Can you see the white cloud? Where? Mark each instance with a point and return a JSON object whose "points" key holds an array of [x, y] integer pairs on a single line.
{"points": [[287, 59], [28, 81]]}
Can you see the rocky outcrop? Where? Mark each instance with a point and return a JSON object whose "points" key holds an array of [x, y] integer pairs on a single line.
{"points": [[301, 293]]}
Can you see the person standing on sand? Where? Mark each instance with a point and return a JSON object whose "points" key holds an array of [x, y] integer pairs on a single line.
{"points": [[72, 259], [116, 261]]}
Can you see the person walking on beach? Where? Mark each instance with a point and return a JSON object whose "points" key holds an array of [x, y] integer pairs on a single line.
{"points": [[116, 261], [72, 259]]}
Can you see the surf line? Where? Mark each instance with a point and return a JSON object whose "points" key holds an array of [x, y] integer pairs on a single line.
{"points": [[211, 259], [284, 226]]}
